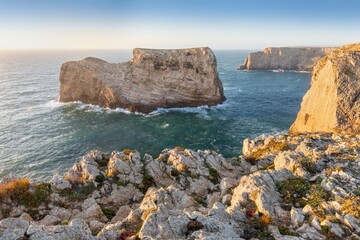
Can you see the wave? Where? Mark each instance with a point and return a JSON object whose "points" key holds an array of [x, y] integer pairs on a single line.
{"points": [[203, 110]]}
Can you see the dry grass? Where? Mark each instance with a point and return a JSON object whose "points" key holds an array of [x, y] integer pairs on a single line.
{"points": [[128, 151], [14, 189], [272, 147], [351, 206]]}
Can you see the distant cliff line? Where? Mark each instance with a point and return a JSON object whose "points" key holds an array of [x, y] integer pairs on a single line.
{"points": [[285, 58]]}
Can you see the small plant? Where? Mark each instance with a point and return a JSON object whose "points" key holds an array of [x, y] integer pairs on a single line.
{"points": [[64, 223], [294, 190], [200, 201], [148, 181], [309, 165], [175, 172], [286, 231], [100, 178], [108, 212], [214, 175], [78, 192]]}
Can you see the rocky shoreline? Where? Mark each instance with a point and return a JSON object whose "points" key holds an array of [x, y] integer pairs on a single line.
{"points": [[283, 187]]}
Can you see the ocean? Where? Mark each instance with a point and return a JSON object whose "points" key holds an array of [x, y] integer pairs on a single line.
{"points": [[40, 136]]}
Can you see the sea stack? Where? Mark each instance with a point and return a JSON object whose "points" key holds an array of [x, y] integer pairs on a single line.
{"points": [[332, 104], [285, 58], [153, 79]]}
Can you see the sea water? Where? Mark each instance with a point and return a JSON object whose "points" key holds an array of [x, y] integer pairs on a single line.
{"points": [[40, 136]]}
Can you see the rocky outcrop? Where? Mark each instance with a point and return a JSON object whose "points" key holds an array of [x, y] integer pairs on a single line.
{"points": [[285, 187], [285, 58], [332, 103], [152, 79]]}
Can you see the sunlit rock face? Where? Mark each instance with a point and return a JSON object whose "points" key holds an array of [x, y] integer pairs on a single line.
{"points": [[332, 103], [152, 79], [285, 58]]}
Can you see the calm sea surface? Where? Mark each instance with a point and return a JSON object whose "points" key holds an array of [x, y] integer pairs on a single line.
{"points": [[39, 136]]}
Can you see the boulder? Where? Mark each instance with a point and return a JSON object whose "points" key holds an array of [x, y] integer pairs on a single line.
{"points": [[152, 79], [285, 58], [332, 103]]}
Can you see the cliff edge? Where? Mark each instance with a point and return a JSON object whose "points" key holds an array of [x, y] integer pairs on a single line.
{"points": [[152, 79], [285, 58], [332, 103]]}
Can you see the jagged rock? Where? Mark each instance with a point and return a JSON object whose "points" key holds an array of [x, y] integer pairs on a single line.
{"points": [[289, 160], [285, 58], [307, 232], [96, 226], [14, 223], [297, 217], [352, 222], [274, 230], [12, 234], [127, 167], [26, 217], [86, 169], [59, 183], [190, 76], [332, 102], [61, 213], [91, 211], [49, 220], [121, 196], [227, 184], [121, 214], [334, 228], [77, 229], [258, 188]]}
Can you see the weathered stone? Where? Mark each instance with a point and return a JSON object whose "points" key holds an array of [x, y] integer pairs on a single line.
{"points": [[61, 213], [91, 211], [59, 183], [285, 58], [86, 169], [190, 76], [332, 102], [297, 217], [49, 220]]}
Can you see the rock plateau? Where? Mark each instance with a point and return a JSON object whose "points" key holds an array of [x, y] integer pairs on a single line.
{"points": [[152, 79], [285, 58], [332, 104]]}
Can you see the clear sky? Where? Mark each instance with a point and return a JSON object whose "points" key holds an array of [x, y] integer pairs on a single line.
{"points": [[221, 24]]}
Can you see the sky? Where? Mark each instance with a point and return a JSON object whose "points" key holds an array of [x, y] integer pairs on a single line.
{"points": [[219, 24]]}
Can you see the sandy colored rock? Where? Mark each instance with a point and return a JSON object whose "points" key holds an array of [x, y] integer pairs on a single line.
{"points": [[152, 79], [285, 58], [332, 103]]}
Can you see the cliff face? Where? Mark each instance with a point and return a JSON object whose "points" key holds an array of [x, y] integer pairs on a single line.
{"points": [[332, 103], [152, 79], [285, 58]]}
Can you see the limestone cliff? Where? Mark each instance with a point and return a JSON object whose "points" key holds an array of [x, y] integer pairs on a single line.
{"points": [[152, 79], [332, 103], [285, 58]]}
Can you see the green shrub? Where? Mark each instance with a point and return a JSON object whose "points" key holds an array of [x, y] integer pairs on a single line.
{"points": [[100, 178], [108, 212]]}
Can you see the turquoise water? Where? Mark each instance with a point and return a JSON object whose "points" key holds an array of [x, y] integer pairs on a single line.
{"points": [[39, 136]]}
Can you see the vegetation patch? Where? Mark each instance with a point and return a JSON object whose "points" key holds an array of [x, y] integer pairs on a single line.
{"points": [[78, 192], [272, 147], [200, 201], [286, 231], [21, 191], [148, 181], [294, 190], [175, 172], [108, 212], [100, 178], [351, 206]]}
